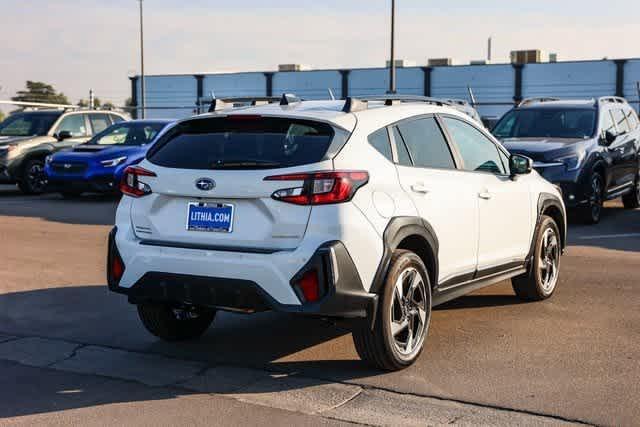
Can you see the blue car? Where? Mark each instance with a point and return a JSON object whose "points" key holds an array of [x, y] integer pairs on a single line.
{"points": [[97, 165]]}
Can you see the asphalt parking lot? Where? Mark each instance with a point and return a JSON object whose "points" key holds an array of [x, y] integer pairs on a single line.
{"points": [[575, 358]]}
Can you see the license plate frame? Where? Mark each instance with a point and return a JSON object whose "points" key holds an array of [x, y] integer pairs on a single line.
{"points": [[204, 206]]}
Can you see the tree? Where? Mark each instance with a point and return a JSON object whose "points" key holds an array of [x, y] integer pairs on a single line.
{"points": [[83, 103], [108, 106], [40, 92], [1, 116]]}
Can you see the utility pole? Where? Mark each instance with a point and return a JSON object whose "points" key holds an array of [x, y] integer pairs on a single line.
{"points": [[392, 65], [142, 97], [91, 99]]}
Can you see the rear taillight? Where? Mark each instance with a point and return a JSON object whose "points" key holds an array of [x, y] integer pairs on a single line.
{"points": [[131, 184], [320, 188], [309, 286]]}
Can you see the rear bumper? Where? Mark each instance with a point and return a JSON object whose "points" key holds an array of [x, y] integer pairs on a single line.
{"points": [[244, 282]]}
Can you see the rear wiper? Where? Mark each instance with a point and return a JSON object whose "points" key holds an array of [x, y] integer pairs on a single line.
{"points": [[244, 164]]}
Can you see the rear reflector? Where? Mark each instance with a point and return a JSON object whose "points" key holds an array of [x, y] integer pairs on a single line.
{"points": [[310, 286], [320, 188]]}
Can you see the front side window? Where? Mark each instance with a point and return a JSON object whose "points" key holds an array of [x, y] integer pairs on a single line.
{"points": [[479, 153], [380, 141], [426, 143], [243, 142], [28, 124], [547, 123], [74, 124], [128, 134]]}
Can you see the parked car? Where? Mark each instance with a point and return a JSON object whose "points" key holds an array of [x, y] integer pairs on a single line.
{"points": [[587, 147], [368, 211], [27, 137], [97, 165]]}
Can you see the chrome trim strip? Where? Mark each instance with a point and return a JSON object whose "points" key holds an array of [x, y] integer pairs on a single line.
{"points": [[543, 165]]}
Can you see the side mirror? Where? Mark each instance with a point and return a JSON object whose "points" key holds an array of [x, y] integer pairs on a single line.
{"points": [[608, 138], [63, 134], [520, 165]]}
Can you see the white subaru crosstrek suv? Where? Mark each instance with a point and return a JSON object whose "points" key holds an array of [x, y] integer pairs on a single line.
{"points": [[371, 210]]}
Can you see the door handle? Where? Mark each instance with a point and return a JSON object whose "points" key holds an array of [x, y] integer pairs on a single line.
{"points": [[485, 195], [419, 188]]}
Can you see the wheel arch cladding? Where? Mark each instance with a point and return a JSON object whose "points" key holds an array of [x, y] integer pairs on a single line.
{"points": [[550, 205], [413, 234]]}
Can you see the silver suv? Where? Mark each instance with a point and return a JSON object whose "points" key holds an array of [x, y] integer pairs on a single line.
{"points": [[28, 137]]}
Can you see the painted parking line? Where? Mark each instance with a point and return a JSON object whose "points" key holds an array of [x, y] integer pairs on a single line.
{"points": [[610, 236]]}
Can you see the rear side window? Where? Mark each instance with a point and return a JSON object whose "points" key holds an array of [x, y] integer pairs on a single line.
{"points": [[621, 120], [426, 144], [380, 141], [99, 122], [243, 142], [116, 119], [608, 124]]}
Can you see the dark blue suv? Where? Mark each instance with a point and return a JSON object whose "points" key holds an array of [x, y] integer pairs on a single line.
{"points": [[587, 147]]}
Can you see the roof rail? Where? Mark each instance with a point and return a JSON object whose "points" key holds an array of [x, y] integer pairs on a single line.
{"points": [[218, 104], [611, 100], [354, 104], [537, 100]]}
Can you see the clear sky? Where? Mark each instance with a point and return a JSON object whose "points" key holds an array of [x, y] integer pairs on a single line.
{"points": [[81, 44]]}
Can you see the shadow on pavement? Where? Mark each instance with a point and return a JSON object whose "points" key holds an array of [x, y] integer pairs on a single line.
{"points": [[619, 230], [268, 341], [86, 210]]}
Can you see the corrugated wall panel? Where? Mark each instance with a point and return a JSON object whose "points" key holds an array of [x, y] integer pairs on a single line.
{"points": [[570, 79], [490, 83], [232, 85], [308, 84], [170, 91], [631, 77], [375, 81]]}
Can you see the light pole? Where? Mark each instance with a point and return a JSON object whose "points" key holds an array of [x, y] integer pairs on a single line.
{"points": [[392, 65], [142, 98]]}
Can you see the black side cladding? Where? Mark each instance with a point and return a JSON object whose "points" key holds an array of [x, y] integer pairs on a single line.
{"points": [[399, 229]]}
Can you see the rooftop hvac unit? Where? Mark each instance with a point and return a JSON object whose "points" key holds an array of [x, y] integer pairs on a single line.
{"points": [[440, 62], [534, 56], [401, 63], [293, 67]]}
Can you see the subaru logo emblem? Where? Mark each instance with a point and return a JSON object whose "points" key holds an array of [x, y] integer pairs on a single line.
{"points": [[205, 184]]}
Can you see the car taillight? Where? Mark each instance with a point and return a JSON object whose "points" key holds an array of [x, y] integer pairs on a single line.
{"points": [[320, 188], [131, 184]]}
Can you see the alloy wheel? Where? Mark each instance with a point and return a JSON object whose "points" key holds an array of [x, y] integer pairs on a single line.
{"points": [[408, 316], [548, 266]]}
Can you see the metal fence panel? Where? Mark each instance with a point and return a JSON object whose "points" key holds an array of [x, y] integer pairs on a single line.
{"points": [[308, 84]]}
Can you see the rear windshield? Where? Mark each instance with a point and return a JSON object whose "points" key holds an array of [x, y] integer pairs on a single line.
{"points": [[128, 133], [547, 123], [242, 142]]}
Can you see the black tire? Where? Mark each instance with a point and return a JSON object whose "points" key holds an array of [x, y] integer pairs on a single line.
{"points": [[632, 200], [169, 324], [532, 285], [592, 213], [33, 180], [379, 346]]}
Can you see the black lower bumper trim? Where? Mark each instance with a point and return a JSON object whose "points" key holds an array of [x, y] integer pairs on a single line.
{"points": [[345, 296]]}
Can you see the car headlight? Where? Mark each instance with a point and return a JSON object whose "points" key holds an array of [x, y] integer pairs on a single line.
{"points": [[113, 162], [48, 159], [573, 161]]}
